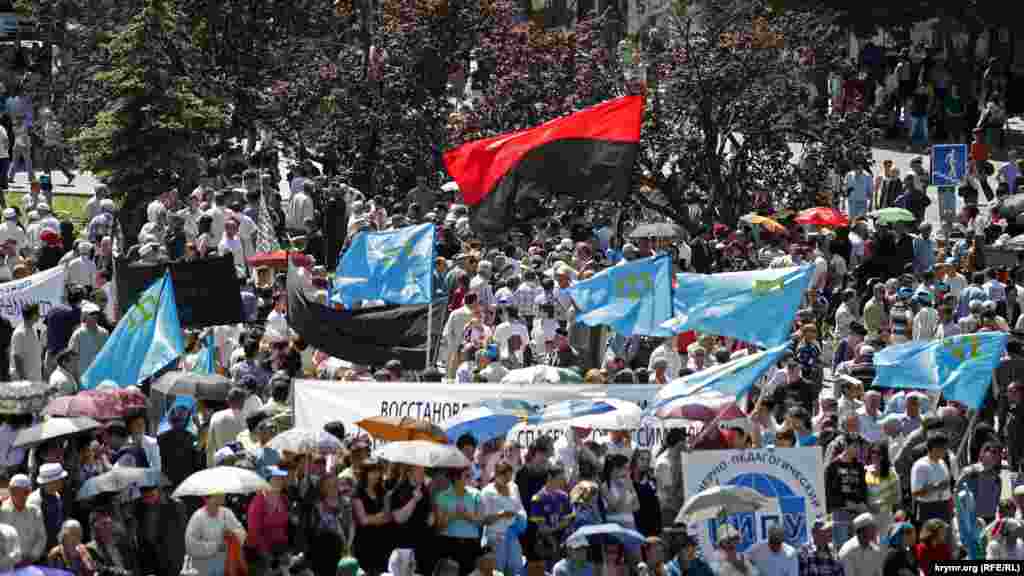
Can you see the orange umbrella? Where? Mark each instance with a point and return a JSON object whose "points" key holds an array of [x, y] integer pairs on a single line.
{"points": [[820, 216], [768, 223], [394, 429]]}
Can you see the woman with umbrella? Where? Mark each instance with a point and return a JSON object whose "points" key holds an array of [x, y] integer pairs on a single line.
{"points": [[372, 544], [207, 533], [410, 501]]}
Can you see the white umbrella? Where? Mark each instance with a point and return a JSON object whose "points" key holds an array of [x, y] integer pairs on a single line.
{"points": [[723, 500], [423, 453], [221, 480], [53, 428], [119, 478], [305, 440], [626, 416], [542, 374]]}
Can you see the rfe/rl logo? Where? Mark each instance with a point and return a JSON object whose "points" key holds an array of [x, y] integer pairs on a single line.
{"points": [[143, 311]]}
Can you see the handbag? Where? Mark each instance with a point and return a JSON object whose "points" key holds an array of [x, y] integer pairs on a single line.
{"points": [[235, 564]]}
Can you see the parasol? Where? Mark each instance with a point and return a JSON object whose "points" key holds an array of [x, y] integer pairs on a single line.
{"points": [[820, 216], [393, 429], [768, 223]]}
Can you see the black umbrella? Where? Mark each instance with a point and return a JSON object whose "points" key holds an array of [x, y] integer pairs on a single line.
{"points": [[199, 386], [657, 230]]}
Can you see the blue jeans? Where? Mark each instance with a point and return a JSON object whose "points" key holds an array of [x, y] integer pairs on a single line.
{"points": [[509, 556], [842, 524], [919, 130]]}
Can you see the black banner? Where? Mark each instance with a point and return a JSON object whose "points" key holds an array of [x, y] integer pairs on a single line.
{"points": [[369, 336], [207, 291]]}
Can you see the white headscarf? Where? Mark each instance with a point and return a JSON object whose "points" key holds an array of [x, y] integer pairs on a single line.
{"points": [[402, 562]]}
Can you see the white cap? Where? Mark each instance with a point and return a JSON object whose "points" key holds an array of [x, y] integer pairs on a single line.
{"points": [[20, 481], [10, 213], [863, 521], [90, 308], [42, 207]]}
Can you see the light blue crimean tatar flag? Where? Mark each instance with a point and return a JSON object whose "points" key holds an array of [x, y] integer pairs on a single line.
{"points": [[146, 340], [632, 298], [397, 267], [960, 366], [756, 307], [734, 378]]}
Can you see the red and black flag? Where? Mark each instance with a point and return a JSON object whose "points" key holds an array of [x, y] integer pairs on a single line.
{"points": [[588, 155]]}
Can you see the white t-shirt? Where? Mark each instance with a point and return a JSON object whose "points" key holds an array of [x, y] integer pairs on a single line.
{"points": [[5, 143], [232, 246], [25, 343], [926, 473]]}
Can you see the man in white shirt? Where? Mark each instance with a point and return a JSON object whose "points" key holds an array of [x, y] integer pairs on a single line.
{"points": [[217, 215], [930, 481], [92, 206], [454, 331], [27, 520], [226, 424], [26, 349], [667, 351], [47, 221], [860, 555], [232, 244], [81, 270], [869, 416], [481, 285], [775, 556], [9, 229], [300, 206]]}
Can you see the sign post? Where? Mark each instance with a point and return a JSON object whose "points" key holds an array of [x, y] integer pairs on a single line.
{"points": [[948, 169]]}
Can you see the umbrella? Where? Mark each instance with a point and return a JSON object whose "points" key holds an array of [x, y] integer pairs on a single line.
{"points": [[200, 386], [703, 406], [119, 478], [625, 415], [305, 440], [517, 405], [52, 429], [625, 535], [423, 453], [823, 217], [541, 374], [96, 404], [395, 428], [758, 220], [23, 397], [38, 571], [657, 230], [221, 480], [890, 215], [276, 259], [482, 423], [569, 410], [723, 500]]}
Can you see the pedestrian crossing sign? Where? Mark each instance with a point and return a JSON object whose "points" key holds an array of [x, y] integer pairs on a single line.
{"points": [[949, 164]]}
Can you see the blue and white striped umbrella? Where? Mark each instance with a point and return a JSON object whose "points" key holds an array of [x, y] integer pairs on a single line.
{"points": [[569, 409], [482, 422]]}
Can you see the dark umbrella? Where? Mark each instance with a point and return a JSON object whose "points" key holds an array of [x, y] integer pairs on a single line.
{"points": [[657, 230], [199, 386]]}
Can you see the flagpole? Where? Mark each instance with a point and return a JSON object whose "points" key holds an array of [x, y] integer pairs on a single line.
{"points": [[430, 325]]}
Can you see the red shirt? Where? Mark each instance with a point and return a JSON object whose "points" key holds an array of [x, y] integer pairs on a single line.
{"points": [[928, 555]]}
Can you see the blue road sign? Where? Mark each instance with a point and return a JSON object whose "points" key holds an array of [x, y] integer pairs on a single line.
{"points": [[949, 164]]}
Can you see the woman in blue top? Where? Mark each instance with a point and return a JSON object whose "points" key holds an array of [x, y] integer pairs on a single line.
{"points": [[459, 514]]}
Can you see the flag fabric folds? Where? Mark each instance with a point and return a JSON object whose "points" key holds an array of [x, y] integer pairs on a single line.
{"points": [[146, 340], [368, 336], [756, 307], [633, 298], [960, 366], [397, 266], [734, 378], [589, 155]]}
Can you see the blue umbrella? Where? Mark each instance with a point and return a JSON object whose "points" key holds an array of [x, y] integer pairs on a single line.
{"points": [[36, 571], [482, 423], [569, 409], [625, 535]]}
